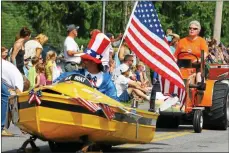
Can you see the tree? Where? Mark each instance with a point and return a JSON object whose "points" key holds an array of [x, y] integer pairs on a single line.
{"points": [[52, 17]]}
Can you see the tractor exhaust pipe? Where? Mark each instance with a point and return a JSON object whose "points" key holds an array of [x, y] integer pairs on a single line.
{"points": [[202, 67]]}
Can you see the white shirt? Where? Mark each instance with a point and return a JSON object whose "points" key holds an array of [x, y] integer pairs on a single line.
{"points": [[30, 48], [11, 75], [106, 55], [70, 44], [99, 77], [117, 72], [121, 84]]}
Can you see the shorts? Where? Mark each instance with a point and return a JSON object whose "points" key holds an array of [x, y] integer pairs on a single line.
{"points": [[124, 97]]}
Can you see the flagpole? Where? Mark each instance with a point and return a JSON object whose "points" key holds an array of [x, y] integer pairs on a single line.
{"points": [[135, 5]]}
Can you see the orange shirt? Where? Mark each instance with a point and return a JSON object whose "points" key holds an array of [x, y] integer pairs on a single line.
{"points": [[195, 46]]}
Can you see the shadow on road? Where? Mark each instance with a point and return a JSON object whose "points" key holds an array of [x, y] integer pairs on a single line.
{"points": [[45, 149], [179, 129]]}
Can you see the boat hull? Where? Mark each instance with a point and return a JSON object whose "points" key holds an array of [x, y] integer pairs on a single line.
{"points": [[59, 119]]}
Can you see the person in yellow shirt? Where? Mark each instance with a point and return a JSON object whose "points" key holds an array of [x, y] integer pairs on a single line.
{"points": [[50, 63], [32, 73]]}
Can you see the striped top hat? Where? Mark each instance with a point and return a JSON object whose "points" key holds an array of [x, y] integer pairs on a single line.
{"points": [[97, 45]]}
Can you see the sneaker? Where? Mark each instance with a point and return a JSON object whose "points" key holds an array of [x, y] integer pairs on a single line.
{"points": [[6, 133]]}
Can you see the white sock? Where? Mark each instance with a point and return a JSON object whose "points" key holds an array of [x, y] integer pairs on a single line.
{"points": [[148, 98]]}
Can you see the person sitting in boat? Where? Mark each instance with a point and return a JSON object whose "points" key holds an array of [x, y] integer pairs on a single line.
{"points": [[91, 59]]}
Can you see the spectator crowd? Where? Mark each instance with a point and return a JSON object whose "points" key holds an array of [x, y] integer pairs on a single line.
{"points": [[113, 70]]}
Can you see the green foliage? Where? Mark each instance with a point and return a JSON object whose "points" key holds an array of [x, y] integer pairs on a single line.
{"points": [[13, 19], [52, 17], [82, 41], [225, 26]]}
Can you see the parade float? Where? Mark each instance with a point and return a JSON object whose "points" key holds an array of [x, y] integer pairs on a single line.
{"points": [[72, 114]]}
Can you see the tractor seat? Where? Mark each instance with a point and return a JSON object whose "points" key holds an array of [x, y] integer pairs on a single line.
{"points": [[184, 63]]}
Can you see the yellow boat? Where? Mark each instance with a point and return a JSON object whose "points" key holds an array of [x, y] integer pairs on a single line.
{"points": [[59, 118]]}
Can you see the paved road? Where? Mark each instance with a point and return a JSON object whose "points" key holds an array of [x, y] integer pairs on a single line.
{"points": [[182, 139]]}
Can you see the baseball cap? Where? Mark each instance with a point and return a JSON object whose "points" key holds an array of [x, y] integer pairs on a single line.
{"points": [[109, 35], [72, 27], [124, 68]]}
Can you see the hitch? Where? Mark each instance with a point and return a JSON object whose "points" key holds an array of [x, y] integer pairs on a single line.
{"points": [[31, 142]]}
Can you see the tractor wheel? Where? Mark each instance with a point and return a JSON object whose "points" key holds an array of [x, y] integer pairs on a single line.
{"points": [[217, 116], [198, 121], [64, 147], [168, 122]]}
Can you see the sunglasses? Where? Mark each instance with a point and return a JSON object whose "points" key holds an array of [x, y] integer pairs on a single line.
{"points": [[190, 28]]}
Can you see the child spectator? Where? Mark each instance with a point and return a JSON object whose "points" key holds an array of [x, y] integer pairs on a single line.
{"points": [[4, 52], [111, 66], [125, 86], [40, 79], [141, 75], [41, 61], [32, 72], [50, 64], [174, 42], [26, 66]]}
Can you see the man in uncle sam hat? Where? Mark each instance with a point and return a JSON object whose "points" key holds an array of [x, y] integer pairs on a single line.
{"points": [[91, 58]]}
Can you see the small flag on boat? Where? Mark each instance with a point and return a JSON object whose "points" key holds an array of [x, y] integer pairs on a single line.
{"points": [[93, 107], [146, 38], [35, 96], [108, 112]]}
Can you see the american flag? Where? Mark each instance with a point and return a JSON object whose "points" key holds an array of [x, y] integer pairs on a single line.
{"points": [[108, 112], [35, 96], [145, 37], [93, 107]]}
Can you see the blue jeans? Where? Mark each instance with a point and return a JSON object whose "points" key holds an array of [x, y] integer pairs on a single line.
{"points": [[5, 95]]}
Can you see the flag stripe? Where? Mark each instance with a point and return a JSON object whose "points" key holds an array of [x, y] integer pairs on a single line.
{"points": [[103, 46], [144, 56], [146, 38], [151, 37], [97, 45], [153, 51], [108, 112], [89, 105]]}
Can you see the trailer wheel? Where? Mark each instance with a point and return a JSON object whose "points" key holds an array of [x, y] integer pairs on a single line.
{"points": [[198, 121], [217, 116]]}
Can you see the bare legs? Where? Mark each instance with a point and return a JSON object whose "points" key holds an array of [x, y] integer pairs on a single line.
{"points": [[138, 92]]}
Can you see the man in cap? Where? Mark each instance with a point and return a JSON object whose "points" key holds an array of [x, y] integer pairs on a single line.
{"points": [[128, 60], [71, 49], [91, 58]]}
